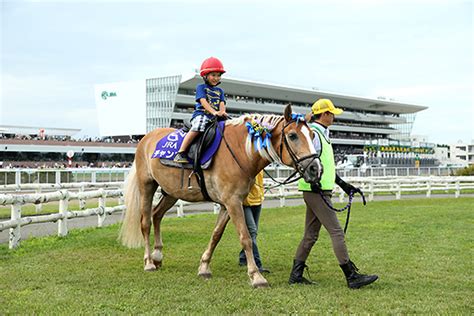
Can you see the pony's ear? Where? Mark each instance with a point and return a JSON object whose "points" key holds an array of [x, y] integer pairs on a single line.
{"points": [[288, 112]]}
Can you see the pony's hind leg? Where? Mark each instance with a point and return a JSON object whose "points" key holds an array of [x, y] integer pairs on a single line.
{"points": [[166, 202], [147, 190], [222, 220]]}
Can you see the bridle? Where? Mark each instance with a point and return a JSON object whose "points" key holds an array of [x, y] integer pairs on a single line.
{"points": [[297, 162]]}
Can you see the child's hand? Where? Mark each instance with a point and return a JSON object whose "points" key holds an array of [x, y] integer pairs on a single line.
{"points": [[221, 113]]}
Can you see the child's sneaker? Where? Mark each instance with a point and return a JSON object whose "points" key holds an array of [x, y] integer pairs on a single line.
{"points": [[181, 157]]}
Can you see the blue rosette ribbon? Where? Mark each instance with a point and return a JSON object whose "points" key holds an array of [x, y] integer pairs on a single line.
{"points": [[298, 117]]}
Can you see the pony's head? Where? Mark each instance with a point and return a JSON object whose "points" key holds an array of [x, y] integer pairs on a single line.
{"points": [[284, 139], [296, 146]]}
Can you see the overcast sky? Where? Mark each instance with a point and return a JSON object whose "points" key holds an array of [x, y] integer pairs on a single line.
{"points": [[421, 52]]}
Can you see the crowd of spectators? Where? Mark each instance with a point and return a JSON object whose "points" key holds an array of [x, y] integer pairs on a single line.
{"points": [[86, 139], [62, 164]]}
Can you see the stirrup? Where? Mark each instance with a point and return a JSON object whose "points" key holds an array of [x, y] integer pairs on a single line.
{"points": [[181, 158]]}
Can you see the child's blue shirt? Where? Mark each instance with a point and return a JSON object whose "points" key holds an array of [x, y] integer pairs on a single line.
{"points": [[213, 95]]}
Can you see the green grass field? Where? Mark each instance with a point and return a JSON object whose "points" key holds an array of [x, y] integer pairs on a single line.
{"points": [[421, 249]]}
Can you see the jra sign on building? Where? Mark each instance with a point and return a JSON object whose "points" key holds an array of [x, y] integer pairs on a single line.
{"points": [[121, 108]]}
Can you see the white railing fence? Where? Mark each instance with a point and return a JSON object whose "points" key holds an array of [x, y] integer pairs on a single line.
{"points": [[16, 201], [388, 185], [63, 193], [70, 175], [66, 192]]}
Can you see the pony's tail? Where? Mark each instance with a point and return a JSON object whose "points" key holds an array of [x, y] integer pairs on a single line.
{"points": [[130, 232]]}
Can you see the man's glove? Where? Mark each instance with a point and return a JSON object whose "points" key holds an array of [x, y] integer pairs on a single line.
{"points": [[316, 187], [346, 187]]}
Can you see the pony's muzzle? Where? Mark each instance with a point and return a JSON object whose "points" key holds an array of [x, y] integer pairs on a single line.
{"points": [[312, 170]]}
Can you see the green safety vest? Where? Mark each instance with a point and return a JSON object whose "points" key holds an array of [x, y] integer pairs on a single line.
{"points": [[328, 178]]}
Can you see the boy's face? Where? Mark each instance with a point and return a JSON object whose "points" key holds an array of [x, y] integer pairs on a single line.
{"points": [[214, 78]]}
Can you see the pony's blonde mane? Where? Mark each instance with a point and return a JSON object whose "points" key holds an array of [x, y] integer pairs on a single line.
{"points": [[270, 121]]}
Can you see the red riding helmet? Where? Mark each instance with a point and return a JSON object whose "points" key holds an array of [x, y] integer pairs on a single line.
{"points": [[211, 64]]}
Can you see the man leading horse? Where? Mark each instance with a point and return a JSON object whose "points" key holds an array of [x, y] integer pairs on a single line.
{"points": [[319, 211]]}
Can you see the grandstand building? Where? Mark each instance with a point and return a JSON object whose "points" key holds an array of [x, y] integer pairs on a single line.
{"points": [[376, 129]]}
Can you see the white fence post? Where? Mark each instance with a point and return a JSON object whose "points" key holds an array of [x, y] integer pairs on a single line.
{"points": [[101, 215], [281, 190], [39, 206], [63, 208], [17, 177], [179, 209], [217, 208], [398, 194], [457, 193], [82, 202], [121, 198], [371, 191], [15, 233], [428, 188]]}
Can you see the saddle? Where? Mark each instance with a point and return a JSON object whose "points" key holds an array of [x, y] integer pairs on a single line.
{"points": [[201, 143], [200, 152]]}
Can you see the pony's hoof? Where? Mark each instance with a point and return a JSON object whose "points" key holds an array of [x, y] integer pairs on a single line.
{"points": [[157, 264], [205, 276], [150, 267], [260, 285]]}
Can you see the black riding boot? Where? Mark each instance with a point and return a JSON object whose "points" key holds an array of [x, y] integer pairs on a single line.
{"points": [[296, 275], [354, 279]]}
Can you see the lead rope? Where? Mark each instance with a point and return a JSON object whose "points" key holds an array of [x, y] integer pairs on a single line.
{"points": [[348, 206]]}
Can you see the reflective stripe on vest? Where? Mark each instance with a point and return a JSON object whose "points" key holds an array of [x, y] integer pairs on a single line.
{"points": [[328, 177]]}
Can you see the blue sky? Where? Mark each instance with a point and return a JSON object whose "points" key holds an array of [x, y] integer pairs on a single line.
{"points": [[53, 52]]}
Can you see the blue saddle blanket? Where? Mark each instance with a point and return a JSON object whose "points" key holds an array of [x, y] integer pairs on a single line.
{"points": [[168, 146]]}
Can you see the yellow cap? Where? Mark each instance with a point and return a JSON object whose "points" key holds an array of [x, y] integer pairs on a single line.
{"points": [[325, 105]]}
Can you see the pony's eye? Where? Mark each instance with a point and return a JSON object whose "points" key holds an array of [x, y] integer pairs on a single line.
{"points": [[292, 136]]}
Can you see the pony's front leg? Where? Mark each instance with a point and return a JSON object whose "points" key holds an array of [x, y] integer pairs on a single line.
{"points": [[222, 220], [237, 215]]}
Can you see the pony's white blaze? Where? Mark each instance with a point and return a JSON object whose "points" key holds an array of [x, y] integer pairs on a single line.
{"points": [[305, 131]]}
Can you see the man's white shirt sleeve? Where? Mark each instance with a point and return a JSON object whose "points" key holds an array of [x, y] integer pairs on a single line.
{"points": [[316, 140]]}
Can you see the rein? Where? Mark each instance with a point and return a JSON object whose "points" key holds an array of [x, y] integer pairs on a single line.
{"points": [[286, 181], [230, 150], [348, 206]]}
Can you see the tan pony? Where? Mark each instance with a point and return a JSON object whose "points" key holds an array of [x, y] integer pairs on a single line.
{"points": [[228, 181]]}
